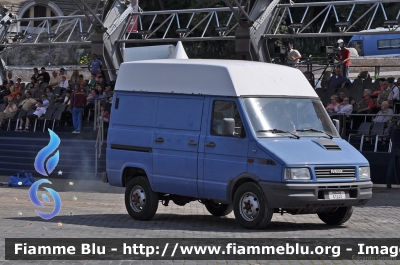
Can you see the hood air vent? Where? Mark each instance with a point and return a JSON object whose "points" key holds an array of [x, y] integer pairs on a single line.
{"points": [[328, 145]]}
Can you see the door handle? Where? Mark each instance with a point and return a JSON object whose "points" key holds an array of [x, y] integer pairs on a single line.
{"points": [[210, 144], [191, 142], [159, 140]]}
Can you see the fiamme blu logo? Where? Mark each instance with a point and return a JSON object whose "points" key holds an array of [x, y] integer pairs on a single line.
{"points": [[45, 162]]}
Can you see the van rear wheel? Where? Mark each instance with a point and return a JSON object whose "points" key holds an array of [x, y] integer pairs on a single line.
{"points": [[140, 200], [218, 209], [338, 217], [251, 207]]}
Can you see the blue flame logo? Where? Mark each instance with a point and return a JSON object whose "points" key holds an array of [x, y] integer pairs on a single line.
{"points": [[35, 200], [46, 168]]}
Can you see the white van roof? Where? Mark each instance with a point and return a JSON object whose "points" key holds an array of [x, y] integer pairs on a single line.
{"points": [[213, 77]]}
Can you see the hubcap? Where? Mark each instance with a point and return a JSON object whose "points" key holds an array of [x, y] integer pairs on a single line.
{"points": [[249, 206], [138, 198]]}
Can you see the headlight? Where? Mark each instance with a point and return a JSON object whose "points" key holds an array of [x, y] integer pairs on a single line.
{"points": [[297, 173], [364, 173]]}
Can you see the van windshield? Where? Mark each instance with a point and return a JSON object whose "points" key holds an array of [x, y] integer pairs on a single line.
{"points": [[288, 117]]}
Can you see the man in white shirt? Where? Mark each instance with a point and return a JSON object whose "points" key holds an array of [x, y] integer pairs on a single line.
{"points": [[293, 57], [55, 79], [39, 112], [45, 101], [344, 107], [384, 111], [64, 82]]}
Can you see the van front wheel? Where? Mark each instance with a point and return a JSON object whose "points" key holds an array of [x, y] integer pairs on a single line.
{"points": [[140, 200], [338, 217], [218, 209], [251, 207]]}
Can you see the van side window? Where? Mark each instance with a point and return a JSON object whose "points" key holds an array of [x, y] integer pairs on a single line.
{"points": [[388, 44], [226, 109]]}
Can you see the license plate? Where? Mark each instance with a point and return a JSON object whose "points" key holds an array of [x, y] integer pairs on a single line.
{"points": [[337, 195]]}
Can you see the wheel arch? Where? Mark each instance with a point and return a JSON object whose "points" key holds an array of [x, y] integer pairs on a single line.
{"points": [[235, 183], [131, 171]]}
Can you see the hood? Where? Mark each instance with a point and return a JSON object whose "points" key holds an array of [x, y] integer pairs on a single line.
{"points": [[312, 151]]}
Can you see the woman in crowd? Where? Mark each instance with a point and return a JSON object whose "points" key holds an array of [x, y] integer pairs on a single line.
{"points": [[9, 111], [90, 101], [49, 93], [74, 78], [333, 104], [31, 85], [102, 93]]}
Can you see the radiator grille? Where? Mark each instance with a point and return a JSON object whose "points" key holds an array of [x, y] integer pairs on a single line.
{"points": [[335, 172]]}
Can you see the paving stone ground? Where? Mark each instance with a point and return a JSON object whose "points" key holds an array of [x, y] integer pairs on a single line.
{"points": [[98, 211]]}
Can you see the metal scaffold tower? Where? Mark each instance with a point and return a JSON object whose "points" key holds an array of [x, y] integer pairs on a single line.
{"points": [[250, 23], [348, 24]]}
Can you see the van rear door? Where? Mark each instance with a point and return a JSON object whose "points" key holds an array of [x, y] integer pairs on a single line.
{"points": [[176, 141]]}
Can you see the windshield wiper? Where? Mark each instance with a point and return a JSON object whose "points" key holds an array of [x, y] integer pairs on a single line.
{"points": [[314, 130], [280, 131]]}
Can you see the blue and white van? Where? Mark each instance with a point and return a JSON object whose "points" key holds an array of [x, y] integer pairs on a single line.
{"points": [[383, 44], [236, 135]]}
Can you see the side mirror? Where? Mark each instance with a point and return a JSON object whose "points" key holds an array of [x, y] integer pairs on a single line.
{"points": [[228, 127], [337, 125]]}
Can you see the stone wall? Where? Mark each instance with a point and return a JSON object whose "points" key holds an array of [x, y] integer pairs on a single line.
{"points": [[389, 66], [367, 64], [38, 56]]}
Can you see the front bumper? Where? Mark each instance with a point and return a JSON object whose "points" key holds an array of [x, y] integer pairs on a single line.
{"points": [[311, 195]]}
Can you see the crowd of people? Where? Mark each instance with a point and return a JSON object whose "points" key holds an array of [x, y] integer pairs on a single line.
{"points": [[45, 92], [382, 101]]}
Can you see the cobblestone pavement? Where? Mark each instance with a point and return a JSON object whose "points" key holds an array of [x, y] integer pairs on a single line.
{"points": [[92, 209]]}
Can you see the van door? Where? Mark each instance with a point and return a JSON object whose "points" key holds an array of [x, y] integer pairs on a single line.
{"points": [[176, 140], [130, 134], [222, 157]]}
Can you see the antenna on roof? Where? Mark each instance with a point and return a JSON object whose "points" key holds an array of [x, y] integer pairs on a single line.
{"points": [[179, 52]]}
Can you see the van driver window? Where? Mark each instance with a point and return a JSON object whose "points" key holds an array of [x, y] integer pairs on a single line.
{"points": [[225, 109], [358, 45]]}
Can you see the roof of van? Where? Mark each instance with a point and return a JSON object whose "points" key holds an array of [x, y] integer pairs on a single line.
{"points": [[379, 30], [213, 77]]}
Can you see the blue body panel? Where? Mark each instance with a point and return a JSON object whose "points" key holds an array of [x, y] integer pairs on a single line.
{"points": [[166, 135], [305, 151], [175, 159], [370, 44]]}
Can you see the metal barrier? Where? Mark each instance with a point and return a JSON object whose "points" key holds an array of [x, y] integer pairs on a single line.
{"points": [[343, 122], [99, 125]]}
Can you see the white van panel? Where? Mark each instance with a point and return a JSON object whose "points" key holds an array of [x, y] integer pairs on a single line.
{"points": [[213, 77]]}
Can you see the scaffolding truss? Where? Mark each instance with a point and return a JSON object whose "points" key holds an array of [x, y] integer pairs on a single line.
{"points": [[185, 25], [346, 26]]}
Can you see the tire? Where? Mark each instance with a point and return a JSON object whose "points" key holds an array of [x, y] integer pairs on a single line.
{"points": [[146, 203], [338, 217], [259, 214], [218, 209]]}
